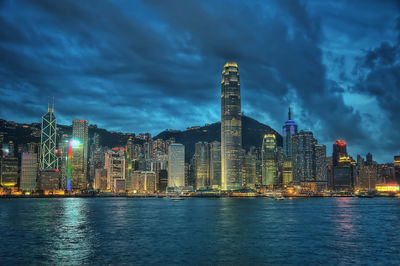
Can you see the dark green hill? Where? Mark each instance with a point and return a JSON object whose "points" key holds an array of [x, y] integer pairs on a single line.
{"points": [[252, 135]]}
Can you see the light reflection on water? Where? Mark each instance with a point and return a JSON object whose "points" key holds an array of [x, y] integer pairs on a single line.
{"points": [[77, 231]]}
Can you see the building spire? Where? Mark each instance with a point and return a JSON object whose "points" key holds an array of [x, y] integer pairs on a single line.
{"points": [[52, 107], [290, 114], [48, 104]]}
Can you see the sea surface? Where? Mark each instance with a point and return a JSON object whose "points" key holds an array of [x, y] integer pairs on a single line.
{"points": [[199, 231]]}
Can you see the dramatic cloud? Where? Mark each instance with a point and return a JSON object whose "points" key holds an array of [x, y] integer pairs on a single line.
{"points": [[139, 66]]}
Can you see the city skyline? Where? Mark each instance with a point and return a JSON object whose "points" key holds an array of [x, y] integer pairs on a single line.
{"points": [[101, 73]]}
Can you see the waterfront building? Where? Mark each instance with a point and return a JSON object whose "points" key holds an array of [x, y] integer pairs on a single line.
{"points": [[339, 150], [287, 171], [80, 129], [269, 161], [29, 174], [202, 158], [367, 177], [62, 155], [77, 178], [100, 179], [320, 163], [343, 175], [9, 171], [176, 165], [115, 165], [215, 164], [48, 135], [143, 182], [303, 156], [49, 180], [249, 173], [231, 127], [118, 185], [162, 181]]}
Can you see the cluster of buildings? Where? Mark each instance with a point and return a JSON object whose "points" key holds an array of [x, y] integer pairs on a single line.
{"points": [[76, 163]]}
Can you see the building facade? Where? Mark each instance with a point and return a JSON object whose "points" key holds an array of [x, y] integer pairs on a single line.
{"points": [[29, 174], [176, 165], [48, 135], [231, 128], [269, 161]]}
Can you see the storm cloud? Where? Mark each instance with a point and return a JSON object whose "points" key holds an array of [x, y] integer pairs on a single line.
{"points": [[139, 66]]}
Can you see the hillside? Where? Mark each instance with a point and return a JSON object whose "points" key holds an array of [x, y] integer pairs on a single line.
{"points": [[252, 135]]}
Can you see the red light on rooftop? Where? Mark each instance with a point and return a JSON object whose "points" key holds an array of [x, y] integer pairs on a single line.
{"points": [[340, 142], [57, 170], [82, 121]]}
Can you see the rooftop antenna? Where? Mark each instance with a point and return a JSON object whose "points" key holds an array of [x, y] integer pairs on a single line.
{"points": [[290, 115], [48, 103], [52, 107]]}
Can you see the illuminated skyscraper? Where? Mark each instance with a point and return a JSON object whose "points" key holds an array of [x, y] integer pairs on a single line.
{"points": [[289, 129], [231, 128], [80, 132], [269, 161], [249, 175], [320, 162], [76, 179], [48, 159], [115, 165], [202, 158], [215, 164], [339, 150], [29, 162], [303, 144], [176, 165]]}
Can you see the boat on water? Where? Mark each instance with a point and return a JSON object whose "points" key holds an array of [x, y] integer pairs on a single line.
{"points": [[279, 198]]}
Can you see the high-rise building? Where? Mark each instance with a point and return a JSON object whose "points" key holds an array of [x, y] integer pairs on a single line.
{"points": [[29, 166], [231, 127], [215, 164], [320, 163], [48, 159], [369, 159], [249, 174], [115, 165], [202, 157], [162, 182], [143, 182], [367, 177], [289, 129], [80, 129], [343, 175], [100, 179], [49, 180], [176, 165], [76, 179], [9, 171], [303, 144], [269, 161], [339, 150]]}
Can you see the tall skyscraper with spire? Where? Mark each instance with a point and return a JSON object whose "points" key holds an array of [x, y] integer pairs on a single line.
{"points": [[48, 159], [288, 130], [231, 128]]}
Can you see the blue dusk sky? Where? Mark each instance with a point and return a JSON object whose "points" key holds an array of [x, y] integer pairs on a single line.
{"points": [[145, 66]]}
